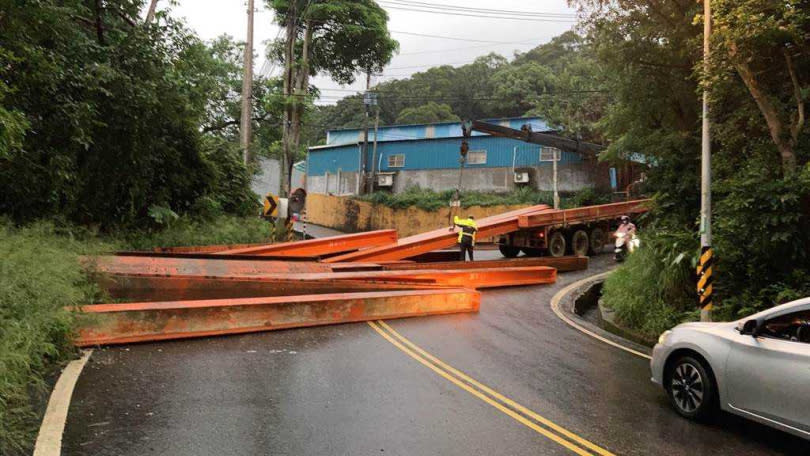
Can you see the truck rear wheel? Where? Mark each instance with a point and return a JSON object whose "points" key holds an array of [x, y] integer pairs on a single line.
{"points": [[579, 243], [556, 244], [597, 241], [508, 251]]}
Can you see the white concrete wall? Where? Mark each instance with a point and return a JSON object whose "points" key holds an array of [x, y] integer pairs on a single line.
{"points": [[571, 177], [342, 184], [268, 180]]}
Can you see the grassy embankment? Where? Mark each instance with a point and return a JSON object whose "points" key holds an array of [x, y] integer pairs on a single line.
{"points": [[40, 278], [654, 289]]}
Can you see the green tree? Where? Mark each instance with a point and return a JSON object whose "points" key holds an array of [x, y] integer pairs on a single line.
{"points": [[111, 111], [764, 43], [337, 37], [430, 112], [652, 60]]}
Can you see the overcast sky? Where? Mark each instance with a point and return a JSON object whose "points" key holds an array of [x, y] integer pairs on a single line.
{"points": [[472, 36]]}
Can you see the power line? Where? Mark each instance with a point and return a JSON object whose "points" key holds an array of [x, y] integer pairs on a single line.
{"points": [[431, 65], [479, 10], [470, 40], [484, 16], [437, 51]]}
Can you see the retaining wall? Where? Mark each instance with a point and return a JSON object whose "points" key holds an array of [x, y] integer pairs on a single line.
{"points": [[352, 216]]}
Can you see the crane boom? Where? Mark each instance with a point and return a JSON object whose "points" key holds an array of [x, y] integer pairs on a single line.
{"points": [[545, 139]]}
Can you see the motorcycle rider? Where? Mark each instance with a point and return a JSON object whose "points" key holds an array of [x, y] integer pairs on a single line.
{"points": [[626, 240], [626, 227]]}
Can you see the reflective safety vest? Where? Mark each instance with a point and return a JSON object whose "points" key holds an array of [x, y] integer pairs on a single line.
{"points": [[468, 228]]}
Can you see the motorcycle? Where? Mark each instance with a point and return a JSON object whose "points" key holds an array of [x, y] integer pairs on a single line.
{"points": [[625, 244]]}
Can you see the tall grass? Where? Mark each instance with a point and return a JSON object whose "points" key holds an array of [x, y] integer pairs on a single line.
{"points": [[654, 289], [39, 277], [184, 231]]}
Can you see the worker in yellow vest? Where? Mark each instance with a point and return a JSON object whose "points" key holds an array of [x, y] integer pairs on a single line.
{"points": [[466, 237]]}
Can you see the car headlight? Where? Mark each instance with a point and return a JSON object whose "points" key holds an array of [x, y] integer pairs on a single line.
{"points": [[663, 336]]}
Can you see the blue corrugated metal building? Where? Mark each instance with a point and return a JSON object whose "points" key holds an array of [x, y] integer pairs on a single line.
{"points": [[428, 155]]}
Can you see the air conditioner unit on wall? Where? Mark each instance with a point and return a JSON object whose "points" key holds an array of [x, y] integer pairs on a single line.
{"points": [[521, 177], [385, 180]]}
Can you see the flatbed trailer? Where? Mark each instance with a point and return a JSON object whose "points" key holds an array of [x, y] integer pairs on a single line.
{"points": [[579, 231]]}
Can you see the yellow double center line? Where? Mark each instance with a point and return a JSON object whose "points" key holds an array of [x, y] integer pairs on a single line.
{"points": [[509, 407]]}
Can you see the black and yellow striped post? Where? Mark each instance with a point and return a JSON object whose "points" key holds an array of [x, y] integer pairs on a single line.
{"points": [[704, 283], [288, 225]]}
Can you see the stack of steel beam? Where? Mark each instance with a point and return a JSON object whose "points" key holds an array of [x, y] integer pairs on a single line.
{"points": [[184, 292]]}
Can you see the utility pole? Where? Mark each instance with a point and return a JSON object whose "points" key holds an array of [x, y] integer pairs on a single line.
{"points": [[374, 148], [704, 269], [247, 87], [555, 157], [366, 105]]}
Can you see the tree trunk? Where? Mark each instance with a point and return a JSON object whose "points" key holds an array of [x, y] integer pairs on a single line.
{"points": [[99, 23], [289, 87], [151, 14], [797, 121], [769, 111], [300, 83]]}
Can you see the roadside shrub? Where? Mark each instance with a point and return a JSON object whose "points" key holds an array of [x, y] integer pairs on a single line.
{"points": [[184, 231], [654, 289], [431, 200], [762, 236], [40, 277]]}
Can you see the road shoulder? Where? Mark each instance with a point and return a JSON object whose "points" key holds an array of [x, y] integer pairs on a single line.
{"points": [[562, 304]]}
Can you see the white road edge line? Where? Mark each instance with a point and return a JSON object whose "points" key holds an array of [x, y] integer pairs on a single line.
{"points": [[555, 306], [49, 440]]}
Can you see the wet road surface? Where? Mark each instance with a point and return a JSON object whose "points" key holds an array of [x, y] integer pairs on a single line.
{"points": [[346, 390]]}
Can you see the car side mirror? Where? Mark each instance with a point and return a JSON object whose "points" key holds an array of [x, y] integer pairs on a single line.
{"points": [[753, 327]]}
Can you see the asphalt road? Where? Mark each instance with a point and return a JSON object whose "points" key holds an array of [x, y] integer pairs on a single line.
{"points": [[346, 390]]}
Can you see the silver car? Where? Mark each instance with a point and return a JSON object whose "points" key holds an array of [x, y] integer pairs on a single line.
{"points": [[758, 367]]}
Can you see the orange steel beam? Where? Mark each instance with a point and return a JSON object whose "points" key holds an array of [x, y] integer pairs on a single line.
{"points": [[436, 256], [203, 248], [474, 278], [320, 246], [211, 256], [144, 287], [195, 266], [105, 324], [157, 287], [486, 278], [561, 264], [438, 239], [583, 214]]}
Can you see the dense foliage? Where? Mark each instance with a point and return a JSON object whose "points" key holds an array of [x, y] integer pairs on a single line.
{"points": [[759, 81], [559, 81], [430, 112], [102, 115]]}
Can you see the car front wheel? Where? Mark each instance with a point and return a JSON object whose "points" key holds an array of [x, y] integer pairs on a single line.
{"points": [[691, 389]]}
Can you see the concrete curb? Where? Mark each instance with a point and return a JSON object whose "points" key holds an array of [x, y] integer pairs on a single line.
{"points": [[49, 440], [566, 314]]}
